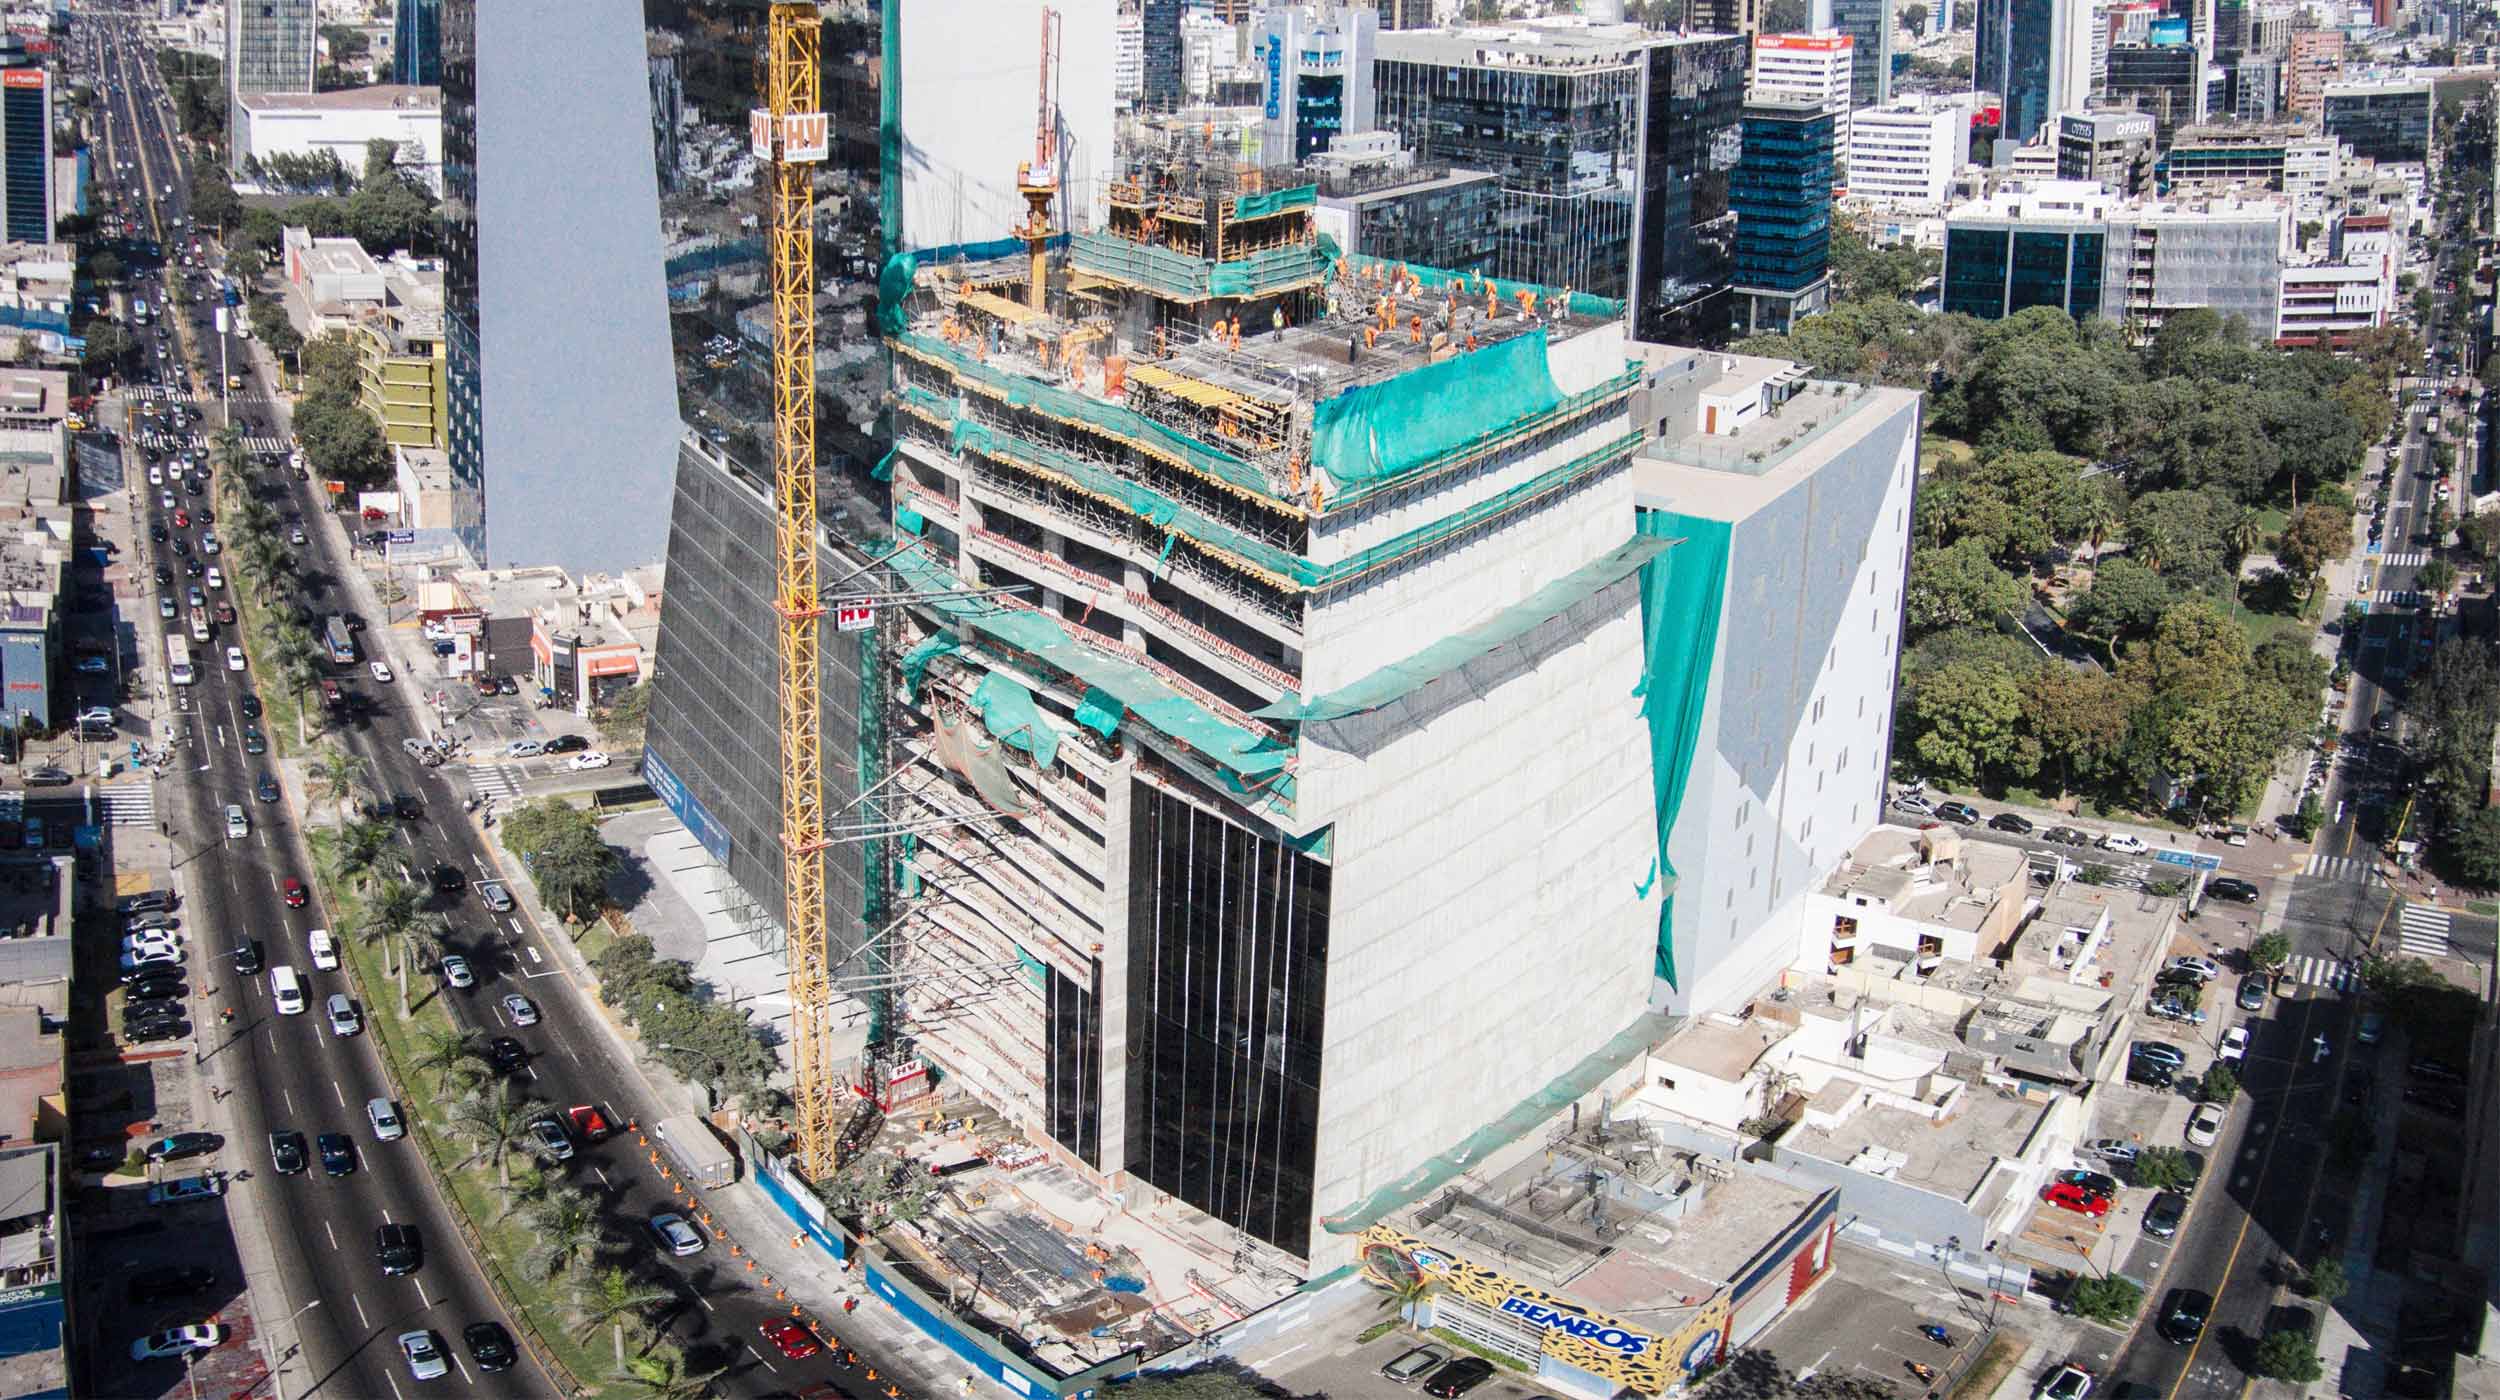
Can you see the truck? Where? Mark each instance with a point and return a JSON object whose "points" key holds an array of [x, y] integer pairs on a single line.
{"points": [[698, 1155]]}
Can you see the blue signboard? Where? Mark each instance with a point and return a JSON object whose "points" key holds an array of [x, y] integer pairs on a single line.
{"points": [[1275, 76], [2188, 859], [690, 813]]}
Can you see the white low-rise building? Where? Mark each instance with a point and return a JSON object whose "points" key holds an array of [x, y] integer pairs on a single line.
{"points": [[1902, 154], [345, 124]]}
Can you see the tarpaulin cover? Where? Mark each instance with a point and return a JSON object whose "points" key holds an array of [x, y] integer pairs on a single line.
{"points": [[1145, 694], [1445, 656], [884, 469], [908, 520], [1374, 432], [916, 661], [1681, 596], [962, 748], [1559, 1093], [1100, 712], [1255, 206], [1008, 709], [1035, 970]]}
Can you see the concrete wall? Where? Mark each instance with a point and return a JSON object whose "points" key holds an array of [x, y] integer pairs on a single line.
{"points": [[1798, 726], [578, 395], [970, 75]]}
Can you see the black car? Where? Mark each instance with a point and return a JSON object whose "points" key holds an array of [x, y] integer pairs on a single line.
{"points": [[2433, 1068], [247, 957], [2183, 1321], [253, 740], [2161, 1218], [575, 743], [250, 706], [155, 1032], [338, 1153], [156, 987], [2014, 822], [2152, 1074], [489, 1345], [266, 789], [286, 1151], [167, 1284], [180, 1145], [407, 806], [164, 577], [395, 1247], [506, 1055], [2232, 888], [448, 879], [1959, 813], [1456, 1378]]}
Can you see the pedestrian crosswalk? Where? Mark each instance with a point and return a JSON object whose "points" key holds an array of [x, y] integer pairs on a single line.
{"points": [[2353, 869], [2332, 973], [200, 442], [2411, 558], [2401, 597], [129, 804], [496, 780], [167, 393], [2422, 932]]}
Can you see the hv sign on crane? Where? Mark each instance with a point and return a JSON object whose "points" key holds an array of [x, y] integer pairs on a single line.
{"points": [[857, 615], [805, 136]]}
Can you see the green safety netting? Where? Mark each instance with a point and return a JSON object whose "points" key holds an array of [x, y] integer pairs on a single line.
{"points": [[916, 661], [1035, 970], [894, 279], [1373, 432], [909, 521], [1582, 304], [890, 140], [884, 469], [1008, 709], [1100, 712], [1183, 277], [1256, 206], [1258, 759], [932, 404], [1558, 1093], [1682, 592], [1402, 678], [906, 878]]}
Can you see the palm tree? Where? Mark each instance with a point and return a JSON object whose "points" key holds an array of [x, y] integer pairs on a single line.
{"points": [[2243, 534], [565, 1229], [661, 1375], [1408, 1295], [611, 1298], [497, 1120], [444, 1055], [267, 562], [335, 774], [390, 912]]}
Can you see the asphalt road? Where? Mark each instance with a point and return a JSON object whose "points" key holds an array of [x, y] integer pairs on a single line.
{"points": [[295, 1073]]}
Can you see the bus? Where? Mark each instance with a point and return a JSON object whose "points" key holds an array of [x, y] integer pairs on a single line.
{"points": [[341, 641], [178, 661]]}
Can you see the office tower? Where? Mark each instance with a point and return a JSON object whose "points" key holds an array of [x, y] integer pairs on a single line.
{"points": [[1315, 66], [563, 403], [1399, 212], [2079, 248], [2037, 56], [2113, 148], [1723, 16], [26, 153], [2385, 120], [2256, 86], [269, 48], [1808, 67], [1782, 195], [1869, 25], [1557, 113], [2166, 80], [417, 43], [2317, 57], [1405, 14], [2030, 244], [1160, 26]]}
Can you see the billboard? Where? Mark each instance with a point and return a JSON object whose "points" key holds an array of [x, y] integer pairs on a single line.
{"points": [[683, 805]]}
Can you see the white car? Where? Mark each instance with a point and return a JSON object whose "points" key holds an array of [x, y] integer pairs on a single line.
{"points": [[2202, 969], [2235, 1044], [457, 972], [518, 1007], [424, 1356], [2205, 1124], [675, 1234], [2065, 1383], [2124, 843], [381, 671], [234, 658], [587, 760], [174, 1341], [216, 577], [325, 950], [156, 476]]}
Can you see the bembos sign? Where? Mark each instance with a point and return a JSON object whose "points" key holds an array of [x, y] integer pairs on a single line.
{"points": [[1555, 1319]]}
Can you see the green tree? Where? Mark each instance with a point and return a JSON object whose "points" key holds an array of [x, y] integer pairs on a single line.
{"points": [[1406, 1297], [342, 442], [345, 44], [213, 200], [2480, 532], [2078, 718], [613, 1299], [566, 1231], [560, 846], [444, 1056], [495, 1121], [2437, 576], [381, 158], [620, 724], [2162, 1169], [108, 349], [1969, 720], [2219, 1084], [2271, 951], [2312, 540], [2326, 1281], [2111, 1299], [877, 1189], [2290, 1354], [2126, 600], [661, 1375], [390, 914], [2474, 848], [1958, 586]]}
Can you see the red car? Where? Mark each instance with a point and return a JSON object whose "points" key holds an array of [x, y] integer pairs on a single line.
{"points": [[2082, 1200], [296, 895], [796, 1342], [182, 520]]}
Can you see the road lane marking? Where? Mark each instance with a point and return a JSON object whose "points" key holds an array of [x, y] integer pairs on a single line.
{"points": [[333, 1234], [768, 1364], [420, 1283], [340, 1092]]}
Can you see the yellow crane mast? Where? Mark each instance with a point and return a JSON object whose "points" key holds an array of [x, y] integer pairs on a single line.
{"points": [[791, 133]]}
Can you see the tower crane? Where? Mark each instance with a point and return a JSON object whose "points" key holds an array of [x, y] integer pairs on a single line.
{"points": [[1038, 179]]}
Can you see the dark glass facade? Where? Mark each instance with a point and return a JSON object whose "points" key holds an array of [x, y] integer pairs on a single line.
{"points": [[2011, 58], [1318, 113], [1162, 26], [1868, 23], [2166, 81], [1228, 967], [26, 155], [465, 429], [1974, 271], [1782, 194], [1073, 1079], [1452, 222], [2392, 126], [1992, 273], [1694, 139], [417, 42]]}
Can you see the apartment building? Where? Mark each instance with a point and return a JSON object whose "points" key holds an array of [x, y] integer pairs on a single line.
{"points": [[1903, 154]]}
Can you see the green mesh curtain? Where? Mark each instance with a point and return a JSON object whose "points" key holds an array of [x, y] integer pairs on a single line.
{"points": [[1681, 594]]}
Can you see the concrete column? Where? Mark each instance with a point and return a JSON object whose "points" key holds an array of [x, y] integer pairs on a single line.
{"points": [[1113, 1004], [1133, 579], [975, 518]]}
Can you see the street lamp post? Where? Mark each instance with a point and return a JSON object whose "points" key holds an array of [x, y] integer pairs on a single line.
{"points": [[277, 1363]]}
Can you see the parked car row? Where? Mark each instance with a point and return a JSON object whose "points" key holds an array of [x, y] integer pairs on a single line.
{"points": [[2015, 823]]}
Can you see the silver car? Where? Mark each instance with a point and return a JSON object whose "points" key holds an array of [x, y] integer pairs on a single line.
{"points": [[424, 1355], [384, 1116], [1413, 1363], [675, 1234]]}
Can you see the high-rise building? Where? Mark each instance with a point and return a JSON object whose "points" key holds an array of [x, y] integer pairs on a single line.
{"points": [[1782, 195], [26, 204], [2037, 56], [1613, 143], [2388, 120], [1903, 155], [2317, 58], [563, 404], [1160, 38], [1128, 59], [2256, 86], [1869, 25], [2113, 148], [1807, 67], [1405, 14], [269, 48], [1315, 73], [2169, 81], [416, 42], [1723, 16]]}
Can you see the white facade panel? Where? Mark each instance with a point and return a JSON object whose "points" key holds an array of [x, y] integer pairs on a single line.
{"points": [[971, 78]]}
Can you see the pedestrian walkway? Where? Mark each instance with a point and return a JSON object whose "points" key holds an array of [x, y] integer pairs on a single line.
{"points": [[2332, 973], [2413, 557], [201, 442], [2401, 597], [2358, 870], [129, 804], [495, 781], [2422, 931]]}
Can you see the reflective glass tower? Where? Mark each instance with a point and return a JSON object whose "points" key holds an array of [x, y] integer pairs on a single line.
{"points": [[416, 43]]}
